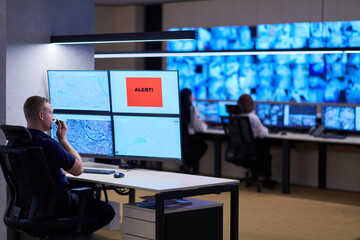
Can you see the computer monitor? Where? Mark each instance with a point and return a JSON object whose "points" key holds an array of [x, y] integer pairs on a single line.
{"points": [[208, 111], [338, 118], [145, 92], [299, 116], [357, 118], [270, 114], [222, 107], [90, 135], [147, 138], [79, 90]]}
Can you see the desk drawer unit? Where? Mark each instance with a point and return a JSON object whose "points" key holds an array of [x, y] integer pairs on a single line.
{"points": [[199, 220]]}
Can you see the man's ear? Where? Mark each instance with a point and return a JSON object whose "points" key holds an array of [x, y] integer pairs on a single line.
{"points": [[41, 115]]}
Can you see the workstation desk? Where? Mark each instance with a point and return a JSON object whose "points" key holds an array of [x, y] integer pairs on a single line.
{"points": [[169, 185], [286, 139]]}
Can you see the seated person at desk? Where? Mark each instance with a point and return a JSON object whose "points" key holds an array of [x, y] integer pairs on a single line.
{"points": [[263, 167], [193, 145], [62, 156]]}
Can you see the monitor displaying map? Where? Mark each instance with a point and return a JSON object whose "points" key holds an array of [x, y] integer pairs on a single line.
{"points": [[79, 90], [145, 92], [90, 135], [147, 138]]}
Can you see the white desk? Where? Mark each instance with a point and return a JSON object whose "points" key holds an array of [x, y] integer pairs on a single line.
{"points": [[286, 139], [169, 185]]}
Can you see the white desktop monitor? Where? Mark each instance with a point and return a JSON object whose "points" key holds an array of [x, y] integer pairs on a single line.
{"points": [[147, 138], [90, 135], [145, 92], [79, 90]]}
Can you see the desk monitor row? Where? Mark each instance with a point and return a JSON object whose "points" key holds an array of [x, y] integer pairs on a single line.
{"points": [[336, 118], [271, 115]]}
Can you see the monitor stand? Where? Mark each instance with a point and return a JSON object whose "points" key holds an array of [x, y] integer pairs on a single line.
{"points": [[130, 164]]}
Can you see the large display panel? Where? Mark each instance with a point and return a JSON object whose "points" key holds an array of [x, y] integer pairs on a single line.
{"points": [[79, 90], [147, 138], [299, 116], [271, 115], [311, 78], [338, 118], [90, 135], [145, 92]]}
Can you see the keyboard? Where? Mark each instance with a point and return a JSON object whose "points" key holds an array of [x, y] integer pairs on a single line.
{"points": [[335, 136], [98, 171]]}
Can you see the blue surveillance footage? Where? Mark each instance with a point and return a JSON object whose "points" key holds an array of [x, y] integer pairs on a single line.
{"points": [[271, 115], [88, 134], [338, 118], [79, 90], [301, 78]]}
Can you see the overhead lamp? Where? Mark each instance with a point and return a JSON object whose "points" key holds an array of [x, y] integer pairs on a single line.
{"points": [[124, 37], [223, 53]]}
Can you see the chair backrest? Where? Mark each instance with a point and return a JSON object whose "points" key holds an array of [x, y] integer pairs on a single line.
{"points": [[240, 148], [32, 192]]}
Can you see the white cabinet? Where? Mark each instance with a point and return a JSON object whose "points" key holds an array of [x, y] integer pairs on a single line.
{"points": [[199, 220]]}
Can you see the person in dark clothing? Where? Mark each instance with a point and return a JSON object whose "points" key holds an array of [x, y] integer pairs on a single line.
{"points": [[193, 145], [61, 157]]}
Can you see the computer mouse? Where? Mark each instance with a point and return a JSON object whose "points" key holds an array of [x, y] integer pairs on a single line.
{"points": [[283, 133], [119, 175]]}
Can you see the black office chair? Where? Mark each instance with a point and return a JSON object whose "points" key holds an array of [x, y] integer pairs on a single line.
{"points": [[31, 204], [241, 147]]}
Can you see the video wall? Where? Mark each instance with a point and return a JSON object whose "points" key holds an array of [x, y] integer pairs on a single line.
{"points": [[311, 78], [131, 115]]}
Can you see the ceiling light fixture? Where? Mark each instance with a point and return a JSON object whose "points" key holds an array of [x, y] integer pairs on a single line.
{"points": [[124, 37]]}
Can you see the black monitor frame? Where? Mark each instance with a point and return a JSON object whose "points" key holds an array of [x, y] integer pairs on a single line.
{"points": [[339, 131], [112, 114], [299, 128]]}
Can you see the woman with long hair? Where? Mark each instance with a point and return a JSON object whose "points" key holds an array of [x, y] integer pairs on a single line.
{"points": [[193, 145]]}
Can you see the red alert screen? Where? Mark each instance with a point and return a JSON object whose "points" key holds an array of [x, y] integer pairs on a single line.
{"points": [[144, 92]]}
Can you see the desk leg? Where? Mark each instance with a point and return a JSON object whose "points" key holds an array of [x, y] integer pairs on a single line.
{"points": [[159, 217], [322, 166], [286, 167], [132, 196], [217, 156], [234, 214]]}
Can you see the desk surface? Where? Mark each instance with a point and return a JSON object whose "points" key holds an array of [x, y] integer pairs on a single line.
{"points": [[299, 137], [155, 181]]}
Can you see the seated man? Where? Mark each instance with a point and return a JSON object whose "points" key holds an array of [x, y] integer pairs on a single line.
{"points": [[61, 156]]}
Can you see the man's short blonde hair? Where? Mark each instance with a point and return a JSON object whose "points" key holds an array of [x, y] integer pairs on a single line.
{"points": [[32, 106]]}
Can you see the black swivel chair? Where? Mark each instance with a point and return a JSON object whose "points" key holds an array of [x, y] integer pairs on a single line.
{"points": [[31, 203], [241, 146]]}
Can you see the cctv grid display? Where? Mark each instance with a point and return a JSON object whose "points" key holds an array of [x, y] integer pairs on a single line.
{"points": [[311, 78], [115, 114]]}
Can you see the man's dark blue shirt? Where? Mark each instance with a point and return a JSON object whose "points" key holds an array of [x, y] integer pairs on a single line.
{"points": [[56, 156]]}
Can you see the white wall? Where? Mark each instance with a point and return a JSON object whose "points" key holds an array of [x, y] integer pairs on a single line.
{"points": [[26, 55], [343, 162]]}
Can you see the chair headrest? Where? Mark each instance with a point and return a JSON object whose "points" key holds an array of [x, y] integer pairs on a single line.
{"points": [[16, 133], [233, 109]]}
